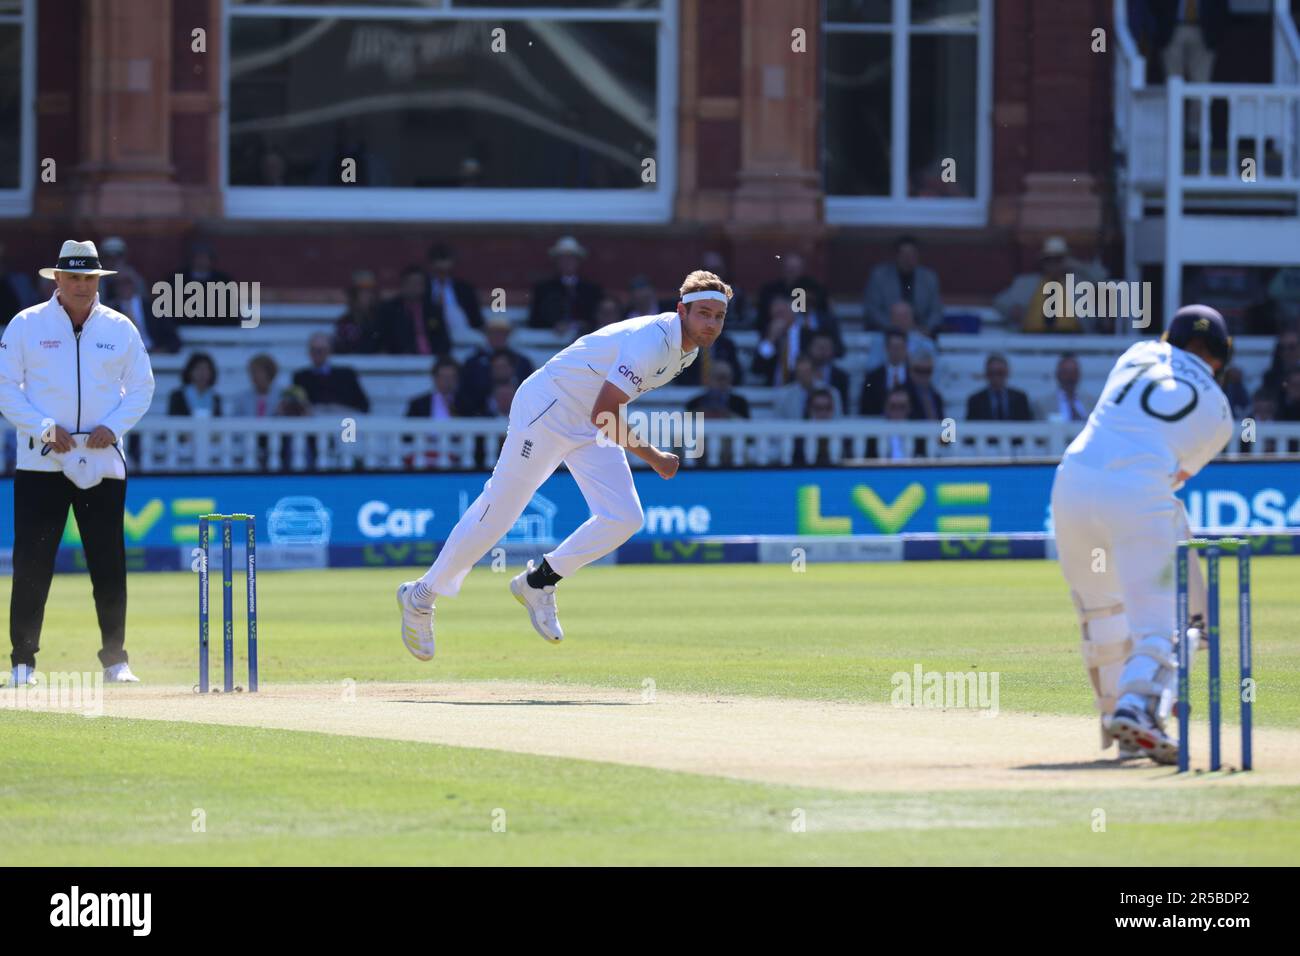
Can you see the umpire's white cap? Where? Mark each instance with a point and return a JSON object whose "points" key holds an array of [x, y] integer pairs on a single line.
{"points": [[80, 257]]}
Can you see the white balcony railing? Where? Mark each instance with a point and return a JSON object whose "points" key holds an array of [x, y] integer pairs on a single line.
{"points": [[172, 445]]}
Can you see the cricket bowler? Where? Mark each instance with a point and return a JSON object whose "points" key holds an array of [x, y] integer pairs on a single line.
{"points": [[1160, 419], [559, 415]]}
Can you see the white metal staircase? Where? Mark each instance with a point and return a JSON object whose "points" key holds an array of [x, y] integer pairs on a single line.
{"points": [[1189, 200]]}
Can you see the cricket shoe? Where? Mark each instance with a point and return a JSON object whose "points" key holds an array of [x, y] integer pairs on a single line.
{"points": [[541, 605], [1137, 731], [417, 623], [23, 675], [120, 674]]}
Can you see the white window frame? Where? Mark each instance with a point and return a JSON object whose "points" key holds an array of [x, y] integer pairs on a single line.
{"points": [[899, 209], [474, 205], [17, 203]]}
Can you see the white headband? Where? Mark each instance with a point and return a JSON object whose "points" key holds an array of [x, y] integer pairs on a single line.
{"points": [[706, 294]]}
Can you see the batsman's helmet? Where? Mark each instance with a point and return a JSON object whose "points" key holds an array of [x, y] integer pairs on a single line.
{"points": [[1204, 323]]}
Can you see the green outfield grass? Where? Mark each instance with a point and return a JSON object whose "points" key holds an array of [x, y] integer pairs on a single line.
{"points": [[112, 791]]}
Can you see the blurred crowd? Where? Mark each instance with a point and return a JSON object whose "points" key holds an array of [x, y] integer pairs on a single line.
{"points": [[800, 351]]}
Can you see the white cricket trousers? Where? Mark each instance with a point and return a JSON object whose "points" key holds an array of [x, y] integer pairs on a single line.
{"points": [[1116, 538], [545, 429]]}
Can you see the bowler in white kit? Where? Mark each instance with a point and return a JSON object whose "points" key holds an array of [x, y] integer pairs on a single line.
{"points": [[1160, 419], [558, 415]]}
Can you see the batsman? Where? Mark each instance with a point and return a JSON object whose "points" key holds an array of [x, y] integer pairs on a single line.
{"points": [[1161, 418]]}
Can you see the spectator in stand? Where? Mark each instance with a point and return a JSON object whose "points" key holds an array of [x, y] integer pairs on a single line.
{"points": [[328, 387], [719, 401], [16, 291], [815, 314], [1067, 402], [441, 402], [113, 251], [821, 408], [476, 375], [1286, 353], [902, 319], [774, 358], [259, 401], [157, 332], [642, 299], [927, 403], [609, 311], [498, 403], [412, 322], [1023, 302], [738, 316], [1263, 408], [888, 377], [1234, 387], [201, 268], [566, 302], [1288, 404], [903, 280], [1185, 32], [455, 298], [360, 330], [821, 349], [791, 401], [998, 402], [898, 408], [195, 397]]}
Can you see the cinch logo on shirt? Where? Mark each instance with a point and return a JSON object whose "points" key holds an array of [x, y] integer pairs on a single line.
{"points": [[631, 376], [50, 343]]}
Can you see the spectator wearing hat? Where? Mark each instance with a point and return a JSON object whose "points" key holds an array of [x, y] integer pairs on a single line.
{"points": [[903, 280], [114, 252], [412, 323], [360, 329], [1023, 303], [196, 397], [476, 375], [71, 364], [455, 298], [566, 302], [327, 386]]}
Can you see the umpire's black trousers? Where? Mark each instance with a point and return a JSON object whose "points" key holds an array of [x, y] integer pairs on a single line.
{"points": [[41, 500]]}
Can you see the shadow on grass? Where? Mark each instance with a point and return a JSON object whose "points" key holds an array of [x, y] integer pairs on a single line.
{"points": [[523, 703], [1101, 763]]}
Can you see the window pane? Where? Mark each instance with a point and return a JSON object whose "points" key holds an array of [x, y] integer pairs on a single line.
{"points": [[11, 96], [858, 109], [947, 13], [941, 116], [859, 11], [427, 104]]}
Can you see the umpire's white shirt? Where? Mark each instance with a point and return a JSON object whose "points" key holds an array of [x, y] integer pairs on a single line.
{"points": [[49, 373], [635, 354]]}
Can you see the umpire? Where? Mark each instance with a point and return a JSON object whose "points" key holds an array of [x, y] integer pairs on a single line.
{"points": [[74, 376]]}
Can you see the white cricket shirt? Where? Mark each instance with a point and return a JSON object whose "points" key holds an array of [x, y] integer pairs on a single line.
{"points": [[1160, 413], [637, 355]]}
